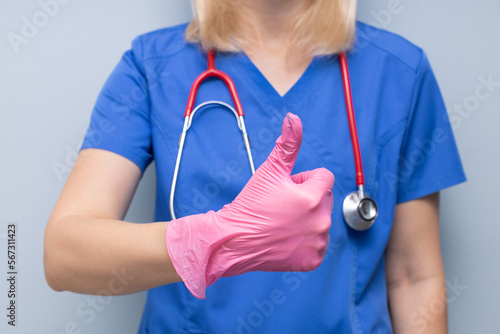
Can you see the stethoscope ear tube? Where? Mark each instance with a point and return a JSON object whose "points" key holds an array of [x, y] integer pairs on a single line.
{"points": [[190, 111], [187, 124], [359, 209]]}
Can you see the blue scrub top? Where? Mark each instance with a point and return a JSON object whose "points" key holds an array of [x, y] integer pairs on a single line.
{"points": [[407, 146]]}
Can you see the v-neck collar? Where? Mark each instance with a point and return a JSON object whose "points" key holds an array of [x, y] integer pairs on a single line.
{"points": [[251, 73]]}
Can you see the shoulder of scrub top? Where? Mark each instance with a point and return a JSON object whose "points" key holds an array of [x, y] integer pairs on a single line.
{"points": [[168, 41], [369, 38], [160, 43]]}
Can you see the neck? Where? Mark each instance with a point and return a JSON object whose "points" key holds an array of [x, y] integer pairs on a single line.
{"points": [[267, 31], [269, 24]]}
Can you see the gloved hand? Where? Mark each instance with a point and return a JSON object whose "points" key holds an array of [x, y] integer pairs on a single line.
{"points": [[278, 222]]}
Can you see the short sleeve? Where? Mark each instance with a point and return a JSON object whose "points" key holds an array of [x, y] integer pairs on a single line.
{"points": [[120, 121], [429, 159]]}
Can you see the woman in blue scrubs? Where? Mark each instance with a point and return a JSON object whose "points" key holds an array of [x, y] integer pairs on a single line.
{"points": [[282, 57]]}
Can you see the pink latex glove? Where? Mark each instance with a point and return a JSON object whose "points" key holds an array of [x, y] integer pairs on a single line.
{"points": [[278, 222]]}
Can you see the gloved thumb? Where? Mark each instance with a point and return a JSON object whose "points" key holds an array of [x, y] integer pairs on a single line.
{"points": [[283, 157]]}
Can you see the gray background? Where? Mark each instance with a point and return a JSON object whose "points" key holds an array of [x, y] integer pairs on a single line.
{"points": [[48, 88]]}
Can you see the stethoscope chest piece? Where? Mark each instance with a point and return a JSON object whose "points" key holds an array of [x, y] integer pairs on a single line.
{"points": [[360, 210]]}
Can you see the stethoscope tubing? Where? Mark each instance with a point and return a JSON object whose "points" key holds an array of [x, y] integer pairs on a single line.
{"points": [[352, 203], [187, 124]]}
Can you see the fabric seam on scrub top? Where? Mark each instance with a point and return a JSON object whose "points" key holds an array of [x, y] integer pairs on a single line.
{"points": [[414, 97], [188, 311], [398, 58], [384, 140], [180, 43], [188, 298], [352, 299], [165, 139], [371, 184]]}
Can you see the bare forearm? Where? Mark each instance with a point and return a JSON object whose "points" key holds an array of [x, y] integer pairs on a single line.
{"points": [[419, 307], [91, 255]]}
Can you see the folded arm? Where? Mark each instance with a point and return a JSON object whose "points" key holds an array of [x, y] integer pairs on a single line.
{"points": [[264, 229], [88, 247]]}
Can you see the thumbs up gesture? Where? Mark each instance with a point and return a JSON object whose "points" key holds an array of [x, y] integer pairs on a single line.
{"points": [[278, 222]]}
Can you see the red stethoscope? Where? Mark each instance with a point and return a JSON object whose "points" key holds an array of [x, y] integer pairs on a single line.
{"points": [[360, 210]]}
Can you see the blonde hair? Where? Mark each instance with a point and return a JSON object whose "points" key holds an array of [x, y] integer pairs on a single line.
{"points": [[324, 27]]}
